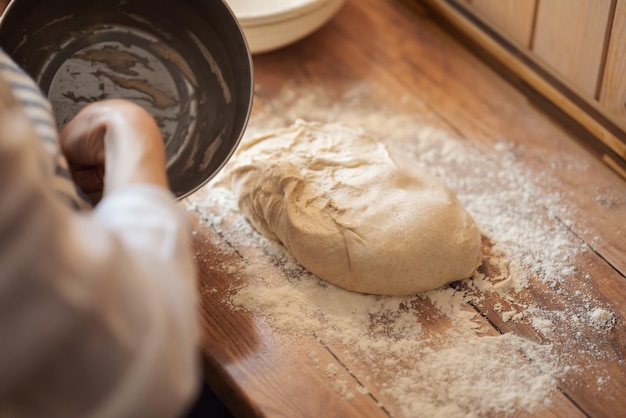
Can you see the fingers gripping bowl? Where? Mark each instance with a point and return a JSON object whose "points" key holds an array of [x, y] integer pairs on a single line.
{"points": [[184, 61]]}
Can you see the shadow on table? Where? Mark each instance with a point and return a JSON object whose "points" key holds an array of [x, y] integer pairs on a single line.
{"points": [[208, 405]]}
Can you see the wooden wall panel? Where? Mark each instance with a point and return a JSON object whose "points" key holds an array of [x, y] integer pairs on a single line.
{"points": [[570, 37], [613, 96], [513, 18]]}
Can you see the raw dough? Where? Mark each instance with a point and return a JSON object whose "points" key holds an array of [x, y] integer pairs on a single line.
{"points": [[350, 214]]}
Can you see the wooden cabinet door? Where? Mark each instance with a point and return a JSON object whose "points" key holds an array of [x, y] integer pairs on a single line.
{"points": [[513, 18], [571, 37], [613, 92]]}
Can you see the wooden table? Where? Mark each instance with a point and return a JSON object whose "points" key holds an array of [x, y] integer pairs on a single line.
{"points": [[389, 57], [385, 65]]}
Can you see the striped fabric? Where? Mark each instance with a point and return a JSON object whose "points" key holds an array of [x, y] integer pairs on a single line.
{"points": [[39, 111]]}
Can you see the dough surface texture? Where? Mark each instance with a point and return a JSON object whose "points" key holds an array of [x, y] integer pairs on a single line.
{"points": [[343, 207]]}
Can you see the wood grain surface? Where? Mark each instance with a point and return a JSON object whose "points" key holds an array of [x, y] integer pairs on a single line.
{"points": [[613, 94], [571, 36], [407, 64], [387, 59], [512, 17]]}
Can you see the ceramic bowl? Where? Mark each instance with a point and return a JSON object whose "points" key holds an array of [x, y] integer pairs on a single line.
{"points": [[185, 61], [273, 24]]}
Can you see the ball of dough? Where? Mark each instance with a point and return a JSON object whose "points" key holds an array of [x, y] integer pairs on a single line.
{"points": [[350, 214]]}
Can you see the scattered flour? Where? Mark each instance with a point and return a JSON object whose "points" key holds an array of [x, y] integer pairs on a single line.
{"points": [[601, 317], [465, 370]]}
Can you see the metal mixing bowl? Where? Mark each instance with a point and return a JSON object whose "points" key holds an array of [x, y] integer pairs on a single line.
{"points": [[185, 61]]}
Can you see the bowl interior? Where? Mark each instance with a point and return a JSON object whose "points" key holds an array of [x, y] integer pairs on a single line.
{"points": [[186, 62]]}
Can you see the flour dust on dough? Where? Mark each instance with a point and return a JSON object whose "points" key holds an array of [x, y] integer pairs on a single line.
{"points": [[343, 207]]}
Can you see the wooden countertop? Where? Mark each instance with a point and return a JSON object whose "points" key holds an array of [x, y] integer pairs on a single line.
{"points": [[386, 66], [389, 58]]}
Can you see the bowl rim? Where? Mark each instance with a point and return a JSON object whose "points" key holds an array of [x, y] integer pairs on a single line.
{"points": [[238, 137], [276, 15]]}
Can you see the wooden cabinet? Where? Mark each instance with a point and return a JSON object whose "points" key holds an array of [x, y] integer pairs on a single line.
{"points": [[573, 52], [613, 90], [571, 37], [582, 41], [513, 18]]}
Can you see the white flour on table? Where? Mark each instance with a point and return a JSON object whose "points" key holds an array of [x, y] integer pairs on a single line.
{"points": [[466, 370]]}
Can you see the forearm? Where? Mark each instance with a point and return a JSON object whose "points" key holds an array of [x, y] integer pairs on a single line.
{"points": [[145, 299], [107, 325], [106, 304], [97, 310]]}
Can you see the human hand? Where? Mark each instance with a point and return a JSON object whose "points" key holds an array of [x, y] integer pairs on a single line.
{"points": [[113, 143]]}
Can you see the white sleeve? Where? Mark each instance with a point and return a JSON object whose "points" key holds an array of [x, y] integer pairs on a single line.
{"points": [[97, 310]]}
